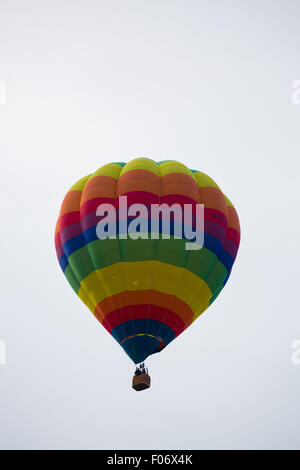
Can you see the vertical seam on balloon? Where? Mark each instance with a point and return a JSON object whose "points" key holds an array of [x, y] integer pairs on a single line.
{"points": [[126, 292], [121, 263], [154, 251], [180, 277], [73, 272], [228, 271], [107, 294], [88, 251], [70, 267], [213, 264], [221, 285]]}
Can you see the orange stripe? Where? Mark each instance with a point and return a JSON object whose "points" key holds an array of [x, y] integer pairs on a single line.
{"points": [[140, 297], [71, 202], [138, 180], [233, 220], [181, 184], [99, 186], [213, 198], [57, 229]]}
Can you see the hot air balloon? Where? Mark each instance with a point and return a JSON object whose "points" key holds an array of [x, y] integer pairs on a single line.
{"points": [[146, 288]]}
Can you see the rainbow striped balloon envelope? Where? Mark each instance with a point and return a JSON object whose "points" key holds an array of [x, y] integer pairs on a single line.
{"points": [[143, 284]]}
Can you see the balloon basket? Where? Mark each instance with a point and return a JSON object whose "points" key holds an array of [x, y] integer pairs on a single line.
{"points": [[141, 382]]}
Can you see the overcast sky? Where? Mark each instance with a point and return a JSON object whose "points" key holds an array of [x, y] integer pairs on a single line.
{"points": [[208, 83]]}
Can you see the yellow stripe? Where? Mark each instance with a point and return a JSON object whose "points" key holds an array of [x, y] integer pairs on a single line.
{"points": [[141, 275], [204, 180], [200, 310], [142, 334], [79, 185], [228, 202], [174, 167], [111, 169], [141, 164]]}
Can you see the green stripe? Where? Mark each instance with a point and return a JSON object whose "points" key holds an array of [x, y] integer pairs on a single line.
{"points": [[102, 253], [72, 279], [216, 293]]}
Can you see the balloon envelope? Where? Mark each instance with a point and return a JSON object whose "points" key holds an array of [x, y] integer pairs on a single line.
{"points": [[145, 291]]}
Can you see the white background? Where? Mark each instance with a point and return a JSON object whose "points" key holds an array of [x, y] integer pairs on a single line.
{"points": [[208, 83]]}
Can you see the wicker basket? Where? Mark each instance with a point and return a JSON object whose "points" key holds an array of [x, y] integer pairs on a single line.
{"points": [[141, 382]]}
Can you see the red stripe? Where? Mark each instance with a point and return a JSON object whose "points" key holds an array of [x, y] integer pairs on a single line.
{"points": [[233, 235], [92, 204], [69, 219], [215, 216], [57, 239], [153, 312], [59, 251], [177, 199], [230, 247], [139, 197]]}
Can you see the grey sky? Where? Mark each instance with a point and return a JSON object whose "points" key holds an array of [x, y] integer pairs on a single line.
{"points": [[208, 83]]}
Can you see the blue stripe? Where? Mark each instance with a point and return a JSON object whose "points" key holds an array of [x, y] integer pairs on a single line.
{"points": [[138, 348], [226, 279], [142, 325], [89, 235], [73, 244], [63, 261], [226, 259]]}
